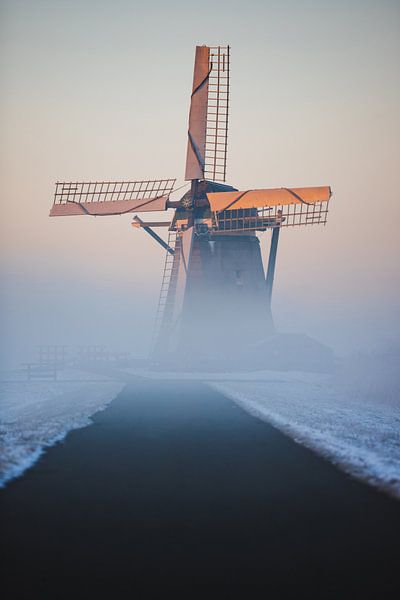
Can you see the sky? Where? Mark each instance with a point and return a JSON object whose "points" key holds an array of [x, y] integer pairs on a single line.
{"points": [[94, 90]]}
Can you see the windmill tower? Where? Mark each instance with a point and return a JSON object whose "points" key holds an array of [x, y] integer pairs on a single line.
{"points": [[215, 298]]}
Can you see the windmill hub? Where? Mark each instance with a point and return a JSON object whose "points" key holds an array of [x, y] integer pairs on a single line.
{"points": [[215, 300]]}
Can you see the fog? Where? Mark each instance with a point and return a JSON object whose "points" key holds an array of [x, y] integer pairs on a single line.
{"points": [[100, 91]]}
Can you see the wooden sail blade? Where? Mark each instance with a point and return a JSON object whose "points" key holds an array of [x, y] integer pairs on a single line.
{"points": [[221, 201], [98, 209], [100, 198], [196, 148]]}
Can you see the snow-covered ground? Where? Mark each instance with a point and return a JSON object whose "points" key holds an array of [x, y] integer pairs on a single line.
{"points": [[36, 414], [351, 418]]}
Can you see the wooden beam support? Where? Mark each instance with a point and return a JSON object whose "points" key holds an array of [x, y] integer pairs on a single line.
{"points": [[139, 223], [272, 262]]}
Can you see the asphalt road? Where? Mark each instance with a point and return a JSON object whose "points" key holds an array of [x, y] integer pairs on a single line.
{"points": [[175, 491]]}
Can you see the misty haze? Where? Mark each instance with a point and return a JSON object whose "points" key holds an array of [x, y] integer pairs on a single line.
{"points": [[200, 347]]}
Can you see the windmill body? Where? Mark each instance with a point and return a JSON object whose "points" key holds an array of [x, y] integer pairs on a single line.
{"points": [[215, 300]]}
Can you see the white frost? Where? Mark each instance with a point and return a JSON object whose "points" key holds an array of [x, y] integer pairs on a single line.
{"points": [[37, 414], [348, 421]]}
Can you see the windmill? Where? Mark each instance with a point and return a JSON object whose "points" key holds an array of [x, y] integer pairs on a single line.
{"points": [[215, 298]]}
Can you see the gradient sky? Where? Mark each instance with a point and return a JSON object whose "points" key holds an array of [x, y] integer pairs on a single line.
{"points": [[100, 90]]}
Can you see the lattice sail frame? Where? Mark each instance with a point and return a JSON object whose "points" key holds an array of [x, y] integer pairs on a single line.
{"points": [[266, 208], [217, 114], [110, 197], [260, 219]]}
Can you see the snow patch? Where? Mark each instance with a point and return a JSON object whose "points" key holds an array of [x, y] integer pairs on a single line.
{"points": [[356, 431], [37, 414]]}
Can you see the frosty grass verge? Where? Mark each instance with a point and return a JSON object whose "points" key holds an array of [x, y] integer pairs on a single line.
{"points": [[358, 433], [35, 415]]}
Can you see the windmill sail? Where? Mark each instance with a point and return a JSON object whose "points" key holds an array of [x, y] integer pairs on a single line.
{"points": [[217, 114], [263, 209], [220, 201], [99, 198], [208, 116]]}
